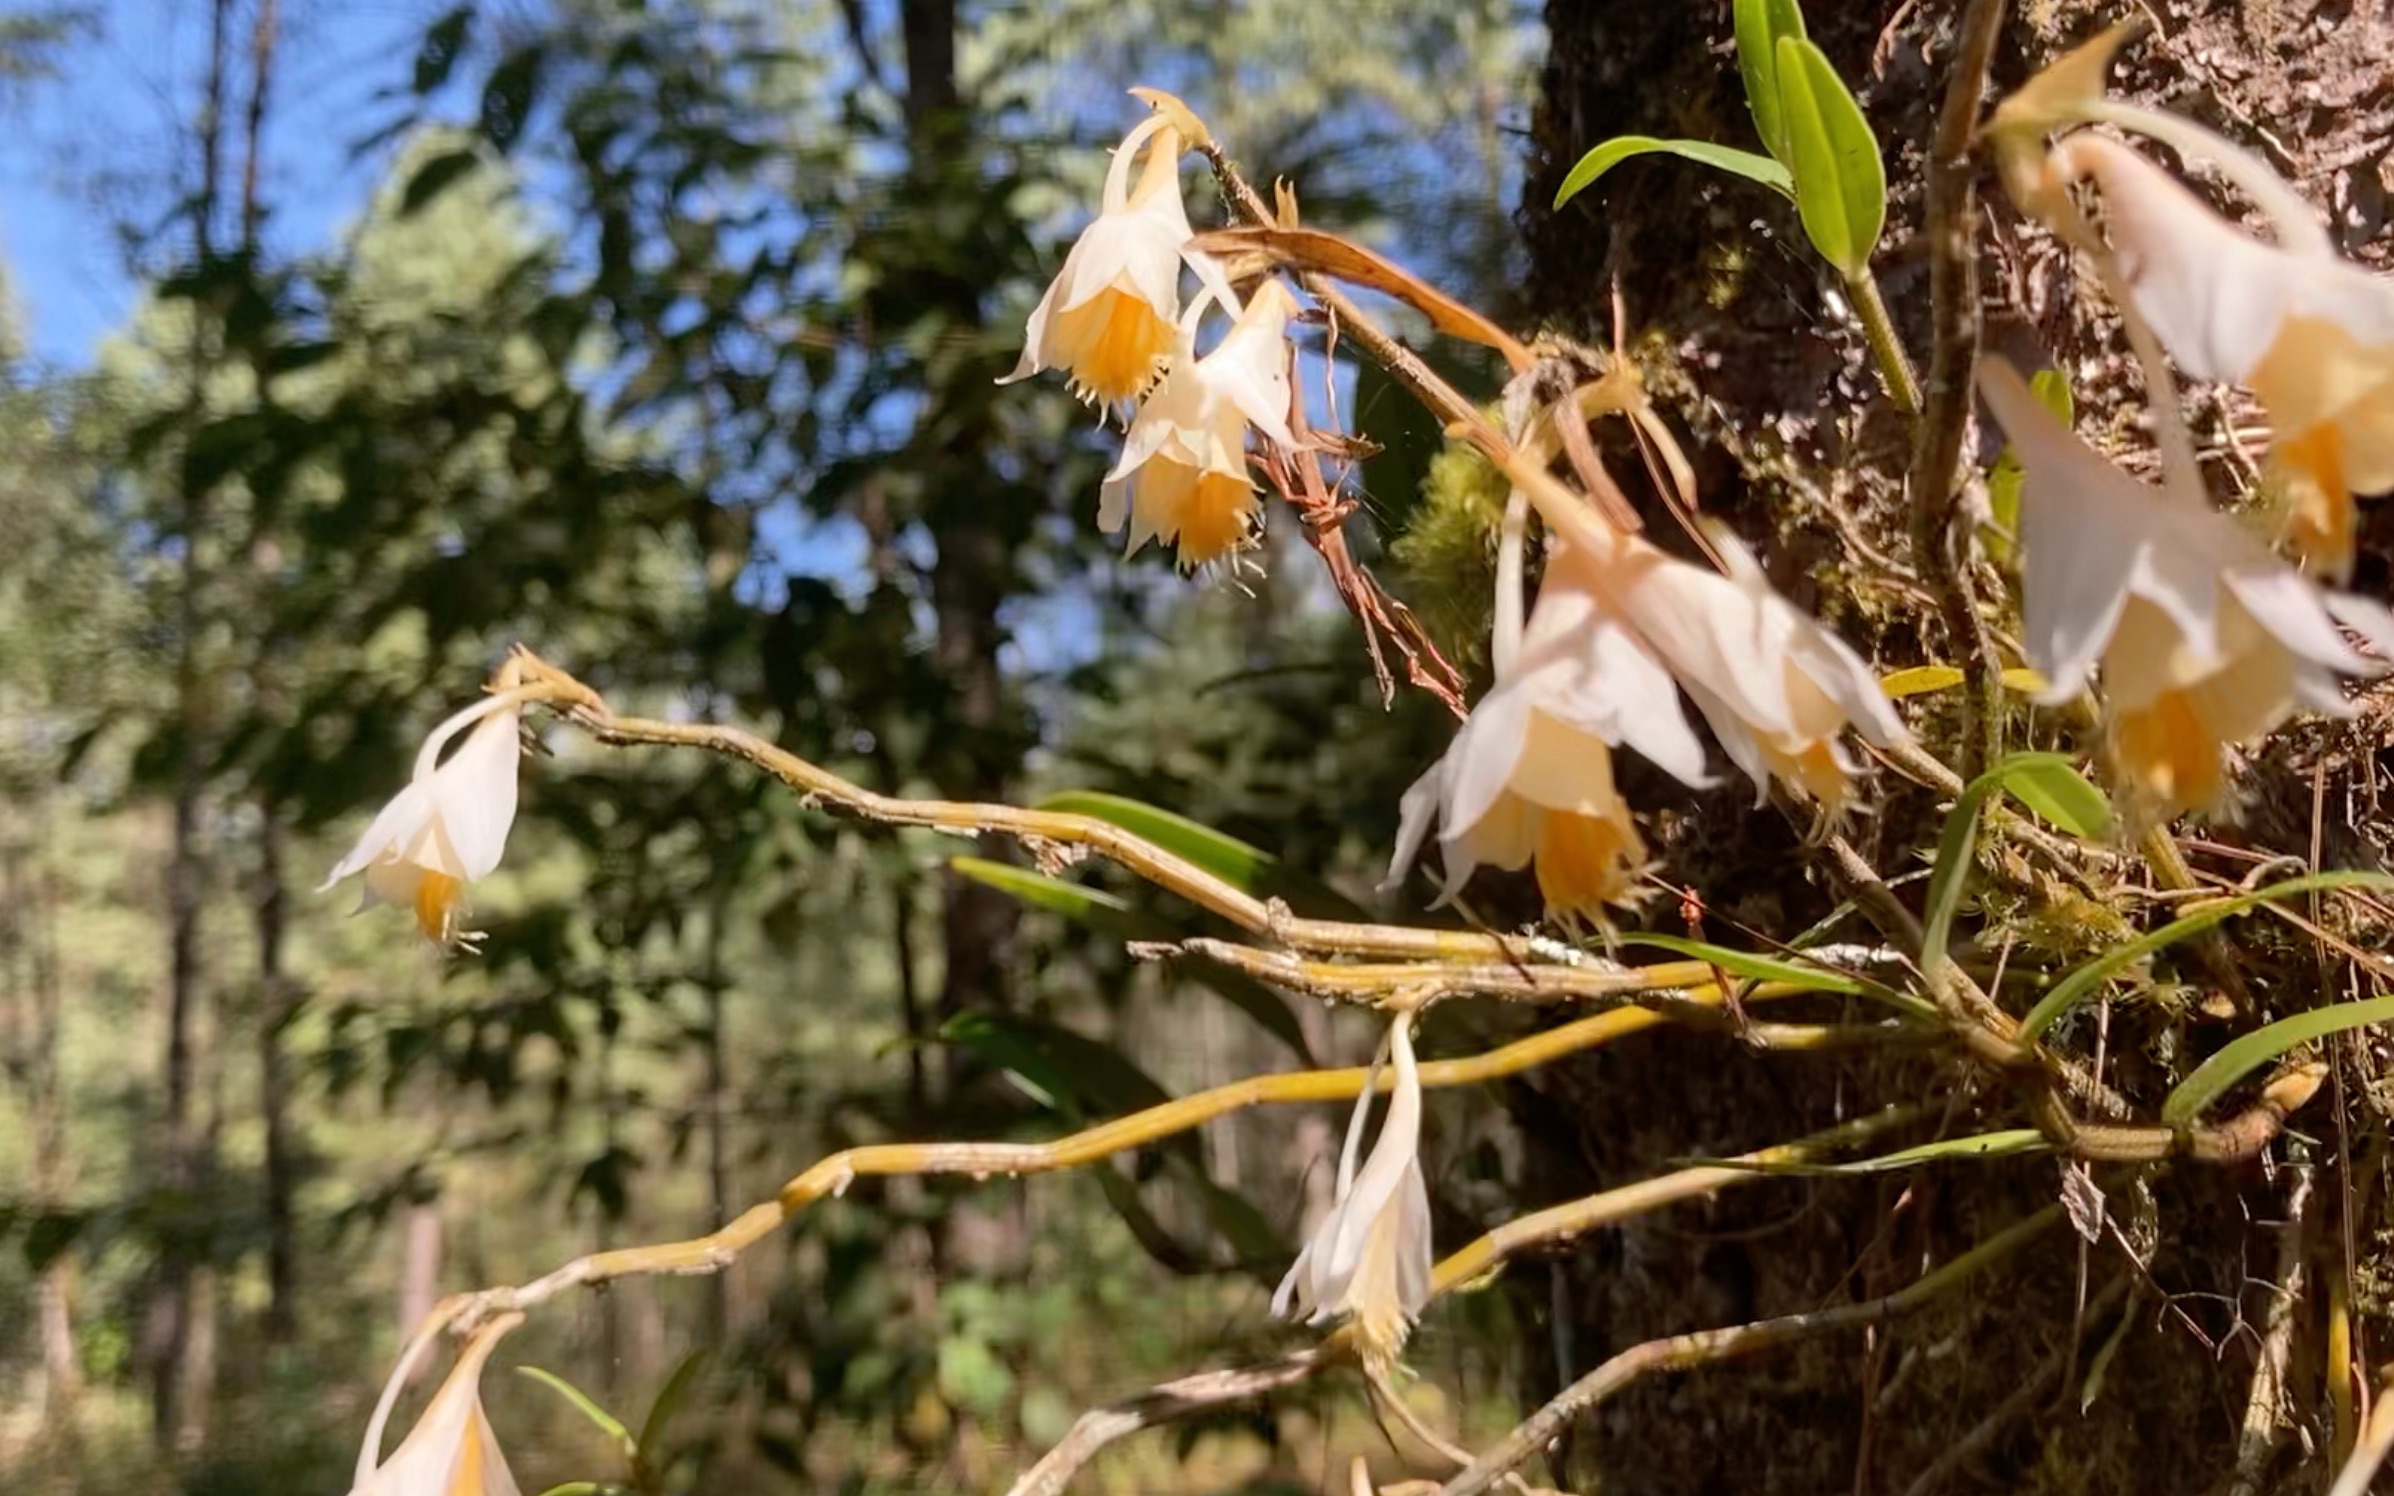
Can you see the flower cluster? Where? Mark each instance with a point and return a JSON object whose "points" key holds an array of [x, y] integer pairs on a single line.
{"points": [[2202, 639], [1112, 321], [1619, 632]]}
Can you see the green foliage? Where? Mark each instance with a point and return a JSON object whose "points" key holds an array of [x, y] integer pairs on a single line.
{"points": [[2245, 1053], [2080, 984], [1760, 24], [1447, 552], [2047, 783], [1620, 148], [1840, 183]]}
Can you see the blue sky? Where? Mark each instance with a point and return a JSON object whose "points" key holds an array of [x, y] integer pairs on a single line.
{"points": [[81, 154]]}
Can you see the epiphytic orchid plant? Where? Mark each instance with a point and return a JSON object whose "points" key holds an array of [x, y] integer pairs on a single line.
{"points": [[2160, 633]]}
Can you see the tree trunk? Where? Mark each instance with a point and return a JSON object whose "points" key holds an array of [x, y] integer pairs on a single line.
{"points": [[277, 1006], [1741, 337]]}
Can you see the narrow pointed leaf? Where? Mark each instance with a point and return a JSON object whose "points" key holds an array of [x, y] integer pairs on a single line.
{"points": [[2075, 988], [669, 1397], [2241, 1056], [1918, 681], [1603, 158], [1226, 857], [2008, 1143], [604, 1420], [1841, 185], [1748, 964]]}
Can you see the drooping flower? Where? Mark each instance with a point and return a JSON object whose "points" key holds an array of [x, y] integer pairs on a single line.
{"points": [[2310, 333], [449, 826], [1776, 687], [451, 1451], [1182, 477], [2203, 639], [1370, 1257], [1529, 778], [1107, 319]]}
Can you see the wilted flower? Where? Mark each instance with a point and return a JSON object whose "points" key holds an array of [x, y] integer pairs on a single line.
{"points": [[2204, 639], [1183, 472], [2311, 334], [1371, 1256], [448, 827], [1776, 687], [451, 1451], [1529, 778], [1107, 318]]}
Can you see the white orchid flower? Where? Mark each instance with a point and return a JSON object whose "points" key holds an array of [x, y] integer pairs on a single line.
{"points": [[1370, 1257], [451, 1451], [449, 826], [2204, 640], [2310, 333], [1183, 476], [1107, 319], [1529, 778], [1776, 687]]}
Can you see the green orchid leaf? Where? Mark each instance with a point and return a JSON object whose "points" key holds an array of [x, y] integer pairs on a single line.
{"points": [[2080, 984], [1760, 24], [1603, 158], [2241, 1056], [1841, 185]]}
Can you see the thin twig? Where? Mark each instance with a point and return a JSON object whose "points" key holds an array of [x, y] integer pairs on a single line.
{"points": [[1941, 531], [1704, 1347], [833, 1175], [1185, 1398], [2259, 1434]]}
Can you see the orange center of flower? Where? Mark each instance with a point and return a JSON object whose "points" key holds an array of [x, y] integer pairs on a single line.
{"points": [[2167, 752], [2319, 519], [436, 905], [1114, 344], [1586, 862], [1211, 514]]}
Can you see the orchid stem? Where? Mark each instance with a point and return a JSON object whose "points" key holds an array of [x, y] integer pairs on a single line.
{"points": [[1886, 349]]}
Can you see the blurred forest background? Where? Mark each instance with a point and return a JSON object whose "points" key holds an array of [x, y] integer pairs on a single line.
{"points": [[660, 336]]}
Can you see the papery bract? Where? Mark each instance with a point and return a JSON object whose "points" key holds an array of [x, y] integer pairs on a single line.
{"points": [[1182, 476], [449, 826], [1370, 1257]]}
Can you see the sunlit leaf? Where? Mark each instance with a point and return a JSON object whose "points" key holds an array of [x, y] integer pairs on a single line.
{"points": [[1760, 24], [2060, 794], [1748, 964], [1081, 1077], [1841, 185], [1235, 862], [1603, 158], [2009, 1143], [1918, 680], [605, 1421], [2244, 1054], [2080, 984]]}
